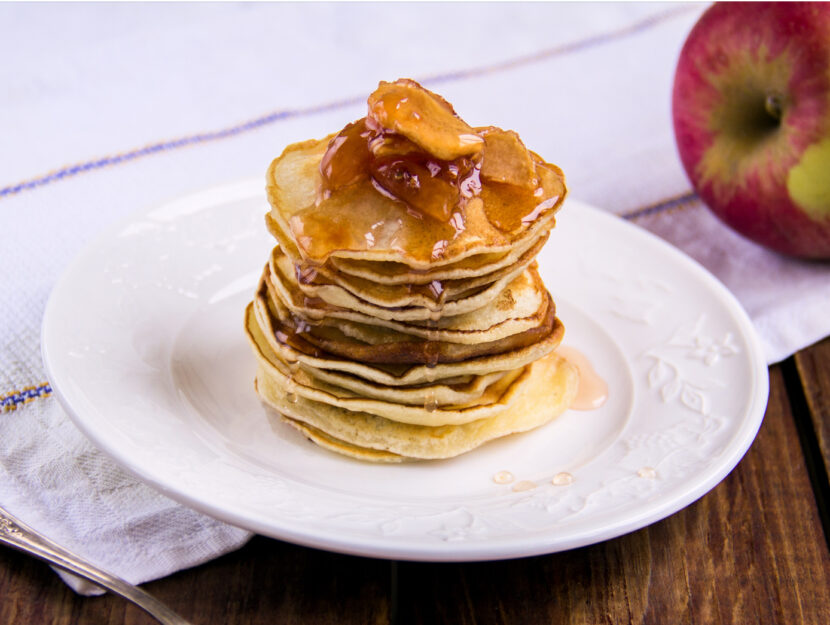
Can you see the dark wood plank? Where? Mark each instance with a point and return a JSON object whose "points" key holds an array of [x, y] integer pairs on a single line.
{"points": [[751, 551], [814, 367], [264, 583]]}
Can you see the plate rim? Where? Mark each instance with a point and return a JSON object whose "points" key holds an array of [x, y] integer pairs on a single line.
{"points": [[487, 549]]}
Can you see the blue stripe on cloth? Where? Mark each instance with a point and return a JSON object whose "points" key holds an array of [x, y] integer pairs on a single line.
{"points": [[562, 49], [679, 201], [10, 401], [275, 116]]}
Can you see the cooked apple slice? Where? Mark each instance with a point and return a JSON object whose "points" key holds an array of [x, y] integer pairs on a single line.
{"points": [[413, 183], [406, 108], [391, 145], [506, 159], [347, 157]]}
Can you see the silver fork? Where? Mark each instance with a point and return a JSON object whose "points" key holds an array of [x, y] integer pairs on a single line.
{"points": [[17, 534]]}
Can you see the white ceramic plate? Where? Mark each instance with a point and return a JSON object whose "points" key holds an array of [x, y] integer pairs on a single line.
{"points": [[144, 346]]}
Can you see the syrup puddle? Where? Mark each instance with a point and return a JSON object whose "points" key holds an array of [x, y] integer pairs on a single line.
{"points": [[562, 479], [523, 486], [592, 394], [593, 390]]}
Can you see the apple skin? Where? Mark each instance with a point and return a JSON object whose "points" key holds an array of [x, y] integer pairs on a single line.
{"points": [[751, 113]]}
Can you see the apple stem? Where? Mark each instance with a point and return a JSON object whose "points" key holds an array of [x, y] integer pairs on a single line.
{"points": [[773, 106]]}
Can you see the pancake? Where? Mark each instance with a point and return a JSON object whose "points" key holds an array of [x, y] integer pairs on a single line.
{"points": [[522, 305], [549, 386], [259, 319], [400, 314], [345, 270], [341, 447], [330, 295], [395, 347], [389, 272], [311, 278], [448, 392], [492, 400]]}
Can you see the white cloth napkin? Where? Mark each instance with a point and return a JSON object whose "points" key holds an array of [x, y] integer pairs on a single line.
{"points": [[108, 108], [56, 481]]}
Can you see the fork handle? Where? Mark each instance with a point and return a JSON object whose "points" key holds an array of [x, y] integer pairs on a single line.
{"points": [[17, 534]]}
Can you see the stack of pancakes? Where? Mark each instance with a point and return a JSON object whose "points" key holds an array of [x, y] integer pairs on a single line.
{"points": [[386, 328]]}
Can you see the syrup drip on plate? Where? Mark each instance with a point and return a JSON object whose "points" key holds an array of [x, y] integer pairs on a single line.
{"points": [[648, 473], [503, 477], [592, 393], [562, 478], [593, 390], [524, 485]]}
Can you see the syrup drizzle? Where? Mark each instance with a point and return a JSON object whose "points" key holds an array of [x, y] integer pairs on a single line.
{"points": [[291, 384], [524, 485], [593, 390], [592, 393], [305, 271], [430, 401], [432, 354], [563, 478], [412, 175]]}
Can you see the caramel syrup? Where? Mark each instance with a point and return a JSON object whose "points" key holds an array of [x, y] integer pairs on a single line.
{"points": [[291, 384], [430, 401], [403, 177], [522, 486], [593, 390]]}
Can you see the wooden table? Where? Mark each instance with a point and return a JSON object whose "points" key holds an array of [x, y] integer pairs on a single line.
{"points": [[753, 550]]}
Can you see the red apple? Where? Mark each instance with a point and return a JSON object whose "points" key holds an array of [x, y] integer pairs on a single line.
{"points": [[751, 111]]}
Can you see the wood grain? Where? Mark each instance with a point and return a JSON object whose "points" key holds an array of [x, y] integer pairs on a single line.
{"points": [[267, 582], [750, 551], [814, 367]]}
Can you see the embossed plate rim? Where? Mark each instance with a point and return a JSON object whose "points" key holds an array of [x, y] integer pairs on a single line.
{"points": [[462, 538]]}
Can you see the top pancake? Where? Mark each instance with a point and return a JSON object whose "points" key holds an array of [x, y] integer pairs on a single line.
{"points": [[358, 222], [475, 268]]}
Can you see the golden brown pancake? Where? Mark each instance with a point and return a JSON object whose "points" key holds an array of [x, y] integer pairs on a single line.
{"points": [[549, 388], [401, 314], [337, 227]]}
